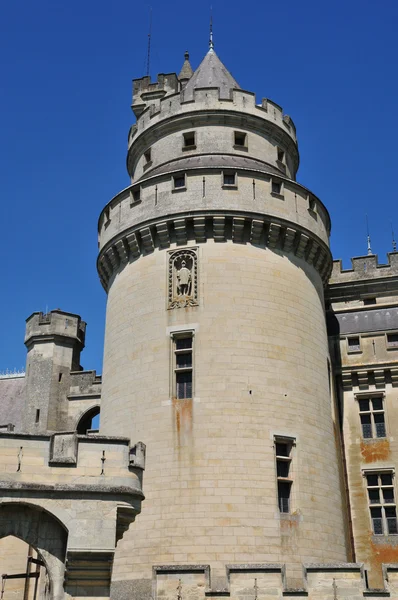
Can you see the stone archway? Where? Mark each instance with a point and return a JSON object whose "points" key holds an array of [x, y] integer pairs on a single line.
{"points": [[44, 533]]}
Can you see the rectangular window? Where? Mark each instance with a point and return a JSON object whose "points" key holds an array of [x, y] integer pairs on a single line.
{"points": [[179, 182], [229, 179], [354, 344], [189, 140], [136, 195], [281, 155], [283, 457], [312, 203], [147, 156], [392, 340], [369, 301], [240, 139], [381, 497], [371, 413], [183, 365], [276, 187]]}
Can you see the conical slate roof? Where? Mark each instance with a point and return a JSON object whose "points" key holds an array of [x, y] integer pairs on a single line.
{"points": [[186, 71], [211, 73]]}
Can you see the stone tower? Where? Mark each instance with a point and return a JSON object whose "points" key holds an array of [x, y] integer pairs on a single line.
{"points": [[214, 260]]}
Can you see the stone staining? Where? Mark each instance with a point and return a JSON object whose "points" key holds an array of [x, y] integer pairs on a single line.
{"points": [[183, 279]]}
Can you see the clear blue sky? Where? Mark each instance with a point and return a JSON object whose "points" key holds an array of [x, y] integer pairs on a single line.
{"points": [[65, 95]]}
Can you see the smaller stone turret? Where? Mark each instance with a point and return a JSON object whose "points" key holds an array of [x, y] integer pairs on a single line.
{"points": [[186, 71], [54, 342]]}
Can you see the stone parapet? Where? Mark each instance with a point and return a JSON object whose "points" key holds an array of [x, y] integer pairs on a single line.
{"points": [[258, 582], [364, 268]]}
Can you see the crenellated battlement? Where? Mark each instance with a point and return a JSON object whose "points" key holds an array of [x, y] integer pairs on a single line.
{"points": [[144, 91], [55, 323], [365, 268], [161, 104]]}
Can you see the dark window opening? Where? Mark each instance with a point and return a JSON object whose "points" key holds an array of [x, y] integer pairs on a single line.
{"points": [[312, 203], [354, 344], [189, 139], [59, 377], [368, 301], [240, 139], [229, 178], [392, 340], [147, 156], [183, 366], [179, 181], [284, 489], [281, 155], [276, 187], [136, 195], [37, 415]]}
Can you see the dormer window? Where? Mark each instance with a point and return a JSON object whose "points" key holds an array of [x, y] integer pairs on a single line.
{"points": [[189, 140], [240, 139]]}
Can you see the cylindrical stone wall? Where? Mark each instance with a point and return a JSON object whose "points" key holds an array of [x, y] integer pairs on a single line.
{"points": [[260, 372]]}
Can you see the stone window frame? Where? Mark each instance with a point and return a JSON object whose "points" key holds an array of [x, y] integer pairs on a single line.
{"points": [[229, 186], [389, 345], [245, 145], [178, 334], [371, 396], [280, 182], [181, 188], [381, 505], [354, 350], [279, 459], [186, 146]]}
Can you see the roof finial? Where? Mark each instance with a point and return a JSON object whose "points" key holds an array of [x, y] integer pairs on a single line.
{"points": [[148, 58], [367, 228], [211, 45], [394, 243]]}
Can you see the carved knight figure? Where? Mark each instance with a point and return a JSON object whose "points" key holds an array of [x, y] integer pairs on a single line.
{"points": [[184, 279]]}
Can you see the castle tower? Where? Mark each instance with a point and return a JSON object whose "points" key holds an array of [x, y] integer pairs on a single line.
{"points": [[54, 342], [216, 356]]}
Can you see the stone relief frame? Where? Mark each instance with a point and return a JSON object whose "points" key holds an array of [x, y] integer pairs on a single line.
{"points": [[182, 278]]}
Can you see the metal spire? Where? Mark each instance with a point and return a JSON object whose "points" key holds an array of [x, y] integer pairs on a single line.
{"points": [[367, 229], [394, 243], [211, 45], [148, 59]]}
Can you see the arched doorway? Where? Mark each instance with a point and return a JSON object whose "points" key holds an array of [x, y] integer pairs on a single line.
{"points": [[23, 575], [89, 421], [29, 533]]}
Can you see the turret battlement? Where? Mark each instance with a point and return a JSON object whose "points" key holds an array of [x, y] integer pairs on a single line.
{"points": [[364, 268], [56, 323], [157, 105], [144, 91]]}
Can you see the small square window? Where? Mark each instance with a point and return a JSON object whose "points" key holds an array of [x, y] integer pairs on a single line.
{"points": [[179, 182], [369, 301], [136, 195], [354, 344], [392, 340], [147, 156], [189, 140], [229, 179], [240, 139], [276, 187], [281, 155]]}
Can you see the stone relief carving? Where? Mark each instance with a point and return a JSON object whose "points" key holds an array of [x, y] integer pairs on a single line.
{"points": [[183, 278]]}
